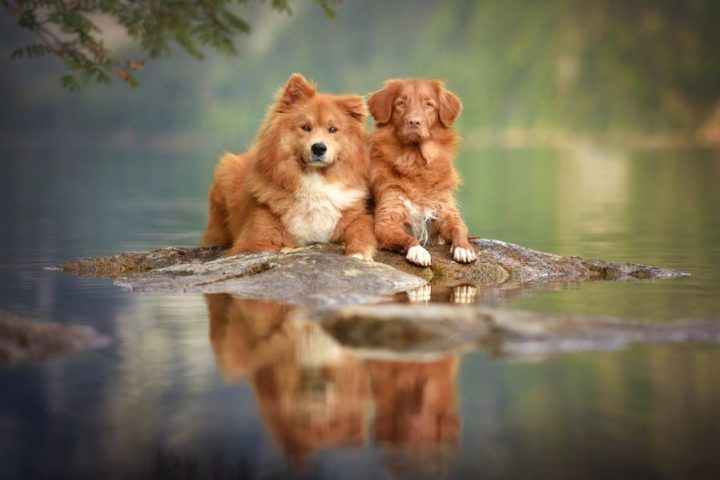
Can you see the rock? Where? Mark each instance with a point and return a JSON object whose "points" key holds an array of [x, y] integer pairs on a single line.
{"points": [[138, 262], [427, 332], [23, 341], [320, 275], [298, 278]]}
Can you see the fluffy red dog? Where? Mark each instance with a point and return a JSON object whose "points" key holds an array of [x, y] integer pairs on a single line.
{"points": [[304, 181], [413, 176]]}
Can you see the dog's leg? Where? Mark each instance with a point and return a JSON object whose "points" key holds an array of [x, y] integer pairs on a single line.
{"points": [[355, 229], [262, 232], [453, 228], [390, 218]]}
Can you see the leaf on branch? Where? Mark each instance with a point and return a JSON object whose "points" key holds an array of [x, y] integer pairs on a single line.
{"points": [[101, 75], [127, 77], [31, 51], [18, 53], [35, 51], [282, 6], [186, 43], [71, 83], [195, 26], [28, 20], [236, 22], [136, 64], [132, 81], [327, 7], [123, 74]]}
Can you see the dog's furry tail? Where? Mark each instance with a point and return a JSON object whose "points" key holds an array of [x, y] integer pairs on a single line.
{"points": [[217, 232]]}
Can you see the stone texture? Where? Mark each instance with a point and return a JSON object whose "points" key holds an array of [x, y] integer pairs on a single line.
{"points": [[138, 262], [320, 275], [334, 287], [299, 278]]}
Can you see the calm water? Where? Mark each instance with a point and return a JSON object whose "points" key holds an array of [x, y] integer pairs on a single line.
{"points": [[217, 387]]}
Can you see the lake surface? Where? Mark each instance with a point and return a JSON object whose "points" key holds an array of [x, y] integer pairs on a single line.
{"points": [[218, 387]]}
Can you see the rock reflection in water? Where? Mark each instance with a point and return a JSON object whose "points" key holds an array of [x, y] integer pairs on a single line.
{"points": [[313, 394]]}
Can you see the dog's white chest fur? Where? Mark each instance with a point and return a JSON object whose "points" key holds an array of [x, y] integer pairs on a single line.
{"points": [[420, 221], [318, 207]]}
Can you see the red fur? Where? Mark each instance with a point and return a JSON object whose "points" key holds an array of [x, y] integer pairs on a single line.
{"points": [[415, 164], [254, 200]]}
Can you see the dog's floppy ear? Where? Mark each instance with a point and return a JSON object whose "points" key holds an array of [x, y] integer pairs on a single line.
{"points": [[449, 104], [353, 105], [297, 88], [381, 102]]}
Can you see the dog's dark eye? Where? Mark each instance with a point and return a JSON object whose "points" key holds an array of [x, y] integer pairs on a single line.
{"points": [[401, 103], [428, 103], [332, 130], [306, 128]]}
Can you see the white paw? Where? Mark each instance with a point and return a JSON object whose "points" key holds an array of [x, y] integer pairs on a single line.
{"points": [[420, 294], [464, 294], [418, 256], [362, 256], [464, 255]]}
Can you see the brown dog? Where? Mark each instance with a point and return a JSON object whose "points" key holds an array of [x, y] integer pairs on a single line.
{"points": [[304, 181], [413, 177]]}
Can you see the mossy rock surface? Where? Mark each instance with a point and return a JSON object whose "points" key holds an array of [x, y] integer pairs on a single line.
{"points": [[321, 275]]}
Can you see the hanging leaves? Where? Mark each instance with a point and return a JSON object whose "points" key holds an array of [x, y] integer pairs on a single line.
{"points": [[66, 29]]}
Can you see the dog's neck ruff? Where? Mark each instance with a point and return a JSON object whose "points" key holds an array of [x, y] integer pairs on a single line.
{"points": [[318, 207]]}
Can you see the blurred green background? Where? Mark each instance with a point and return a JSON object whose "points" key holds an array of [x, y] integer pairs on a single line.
{"points": [[559, 69]]}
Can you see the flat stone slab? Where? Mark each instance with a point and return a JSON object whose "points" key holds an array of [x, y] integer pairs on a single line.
{"points": [[321, 275], [298, 278], [24, 341]]}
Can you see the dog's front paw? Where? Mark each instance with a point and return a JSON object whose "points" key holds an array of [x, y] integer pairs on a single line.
{"points": [[464, 255], [290, 249], [362, 256], [417, 255]]}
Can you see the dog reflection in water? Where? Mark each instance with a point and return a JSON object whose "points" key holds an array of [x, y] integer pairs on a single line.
{"points": [[310, 393], [461, 294], [415, 402], [314, 394]]}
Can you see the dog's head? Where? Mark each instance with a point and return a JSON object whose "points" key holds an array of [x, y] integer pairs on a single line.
{"points": [[319, 129], [415, 108]]}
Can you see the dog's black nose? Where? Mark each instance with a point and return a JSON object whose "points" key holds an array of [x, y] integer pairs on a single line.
{"points": [[318, 148]]}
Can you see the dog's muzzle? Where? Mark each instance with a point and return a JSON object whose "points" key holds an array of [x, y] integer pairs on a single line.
{"points": [[318, 156]]}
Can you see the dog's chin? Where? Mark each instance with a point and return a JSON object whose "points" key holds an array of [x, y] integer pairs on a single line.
{"points": [[317, 161], [413, 135]]}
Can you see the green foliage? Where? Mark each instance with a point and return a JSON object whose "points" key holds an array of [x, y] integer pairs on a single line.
{"points": [[31, 51], [536, 71], [67, 29]]}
